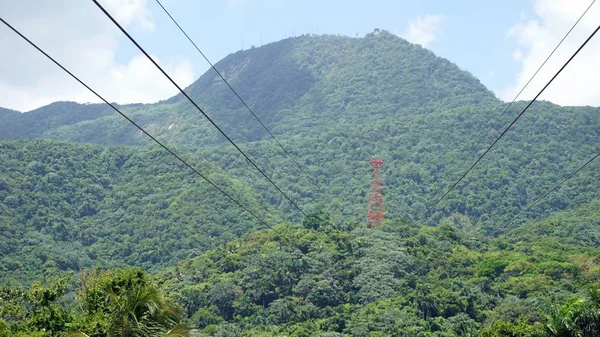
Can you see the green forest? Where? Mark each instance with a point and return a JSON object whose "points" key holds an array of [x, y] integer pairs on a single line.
{"points": [[322, 278], [103, 233]]}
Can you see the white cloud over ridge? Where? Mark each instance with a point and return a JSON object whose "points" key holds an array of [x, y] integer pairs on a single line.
{"points": [[423, 29], [131, 11], [537, 37], [78, 35]]}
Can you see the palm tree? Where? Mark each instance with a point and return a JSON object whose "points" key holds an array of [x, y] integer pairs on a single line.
{"points": [[140, 311], [578, 319], [589, 320], [130, 306]]}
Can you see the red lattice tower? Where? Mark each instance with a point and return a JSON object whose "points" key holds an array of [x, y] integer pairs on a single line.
{"points": [[376, 210]]}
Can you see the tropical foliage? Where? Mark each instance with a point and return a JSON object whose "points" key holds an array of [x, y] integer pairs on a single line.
{"points": [[398, 280], [66, 207], [323, 278], [114, 303], [101, 194]]}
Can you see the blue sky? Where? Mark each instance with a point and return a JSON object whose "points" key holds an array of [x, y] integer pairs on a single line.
{"points": [[465, 34], [500, 42]]}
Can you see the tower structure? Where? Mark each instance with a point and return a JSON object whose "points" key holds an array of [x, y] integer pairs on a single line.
{"points": [[376, 210]]}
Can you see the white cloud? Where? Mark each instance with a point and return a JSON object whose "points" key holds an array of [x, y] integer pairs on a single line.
{"points": [[517, 54], [537, 37], [131, 11], [139, 78], [80, 37], [423, 30]]}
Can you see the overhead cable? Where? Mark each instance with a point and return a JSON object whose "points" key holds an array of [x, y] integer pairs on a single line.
{"points": [[238, 203], [478, 142], [237, 95], [312, 181], [513, 122], [197, 107]]}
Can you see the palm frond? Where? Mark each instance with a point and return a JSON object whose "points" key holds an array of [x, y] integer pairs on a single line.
{"points": [[179, 330]]}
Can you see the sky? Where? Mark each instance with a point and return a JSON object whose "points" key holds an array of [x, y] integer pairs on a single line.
{"points": [[502, 43]]}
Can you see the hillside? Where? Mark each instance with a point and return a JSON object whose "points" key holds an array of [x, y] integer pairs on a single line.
{"points": [[333, 102], [306, 82], [340, 279], [400, 280], [65, 207]]}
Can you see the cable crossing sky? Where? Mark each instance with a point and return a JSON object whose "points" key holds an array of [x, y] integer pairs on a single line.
{"points": [[197, 107], [512, 123], [235, 92], [145, 132], [310, 178], [478, 142]]}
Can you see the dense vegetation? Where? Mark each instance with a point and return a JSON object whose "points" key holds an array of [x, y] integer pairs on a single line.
{"points": [[67, 206], [119, 302], [334, 279], [334, 102], [400, 280], [101, 194]]}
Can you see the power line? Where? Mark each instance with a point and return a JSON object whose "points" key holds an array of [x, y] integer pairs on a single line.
{"points": [[244, 102], [196, 105], [533, 76], [513, 122], [236, 93], [478, 142], [536, 201], [145, 132]]}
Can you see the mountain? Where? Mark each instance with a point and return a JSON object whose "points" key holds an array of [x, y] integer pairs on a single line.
{"points": [[308, 81], [333, 102], [79, 187]]}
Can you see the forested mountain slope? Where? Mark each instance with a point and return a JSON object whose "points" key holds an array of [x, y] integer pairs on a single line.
{"points": [[333, 102], [425, 154], [295, 86], [398, 280], [65, 206]]}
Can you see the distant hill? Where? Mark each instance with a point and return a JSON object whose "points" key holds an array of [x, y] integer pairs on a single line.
{"points": [[309, 82], [8, 112], [40, 123]]}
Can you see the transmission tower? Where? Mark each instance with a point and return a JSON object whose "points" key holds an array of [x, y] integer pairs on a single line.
{"points": [[376, 198]]}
